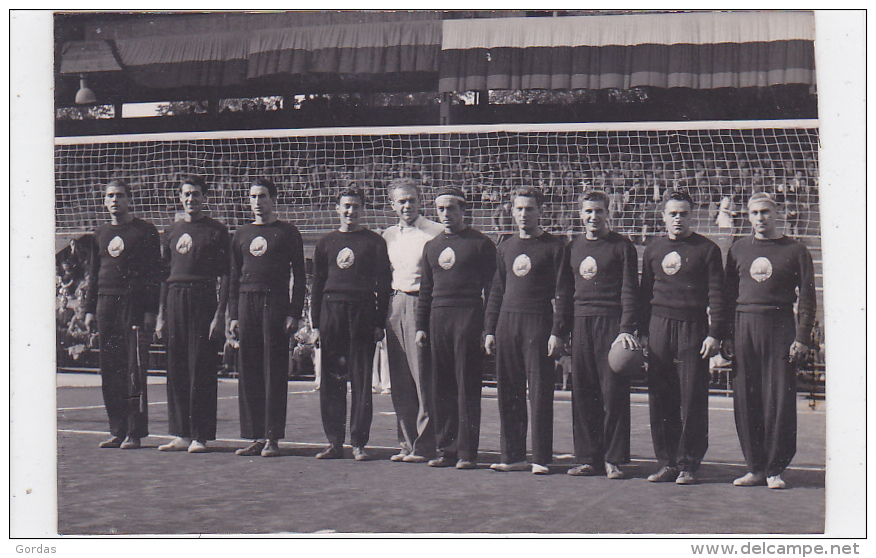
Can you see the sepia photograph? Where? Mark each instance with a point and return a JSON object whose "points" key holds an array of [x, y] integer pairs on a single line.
{"points": [[416, 274]]}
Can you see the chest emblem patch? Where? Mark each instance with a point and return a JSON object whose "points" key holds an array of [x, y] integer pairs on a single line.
{"points": [[184, 244], [671, 263], [522, 265], [588, 268], [447, 258], [258, 246], [345, 258], [116, 246], [761, 269]]}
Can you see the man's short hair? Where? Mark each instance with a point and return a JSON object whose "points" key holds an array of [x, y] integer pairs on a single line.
{"points": [[453, 192], [528, 192], [761, 197], [352, 192], [118, 183], [194, 180], [266, 183], [402, 184], [678, 195], [594, 196]]}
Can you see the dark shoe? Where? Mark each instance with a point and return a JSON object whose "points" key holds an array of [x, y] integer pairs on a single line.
{"points": [[686, 477], [440, 462], [614, 472], [331, 452], [271, 449], [465, 464], [130, 443], [111, 443], [585, 470], [251, 450], [665, 474], [359, 454]]}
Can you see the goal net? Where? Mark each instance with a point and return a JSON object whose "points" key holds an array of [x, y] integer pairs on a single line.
{"points": [[719, 163]]}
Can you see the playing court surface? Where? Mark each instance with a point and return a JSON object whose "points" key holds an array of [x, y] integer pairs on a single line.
{"points": [[103, 491]]}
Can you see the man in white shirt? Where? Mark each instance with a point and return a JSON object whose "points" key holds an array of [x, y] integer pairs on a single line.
{"points": [[409, 365]]}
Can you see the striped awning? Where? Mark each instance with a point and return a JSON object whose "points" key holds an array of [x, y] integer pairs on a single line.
{"points": [[227, 58], [700, 50]]}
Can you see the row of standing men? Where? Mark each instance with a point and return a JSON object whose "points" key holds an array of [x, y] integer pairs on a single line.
{"points": [[443, 294]]}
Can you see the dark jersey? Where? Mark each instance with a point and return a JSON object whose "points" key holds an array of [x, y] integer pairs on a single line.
{"points": [[261, 259], [602, 276], [196, 252], [126, 260], [458, 270], [680, 279], [527, 277], [351, 266], [762, 275]]}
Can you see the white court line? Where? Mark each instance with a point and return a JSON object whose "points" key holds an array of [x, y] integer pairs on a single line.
{"points": [[85, 408], [485, 452]]}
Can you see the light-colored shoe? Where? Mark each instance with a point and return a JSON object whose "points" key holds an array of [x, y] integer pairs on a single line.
{"points": [[665, 474], [465, 464], [751, 479], [507, 467], [198, 446], [359, 454], [776, 482], [400, 456], [414, 458], [130, 443], [386, 391], [331, 452], [538, 469], [271, 449], [686, 477], [614, 472], [177, 444]]}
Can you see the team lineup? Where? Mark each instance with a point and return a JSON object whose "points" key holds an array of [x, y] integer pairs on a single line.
{"points": [[440, 295]]}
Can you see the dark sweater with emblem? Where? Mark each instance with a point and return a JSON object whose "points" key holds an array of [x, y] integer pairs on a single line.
{"points": [[351, 266], [464, 283], [527, 277], [680, 279], [761, 276], [609, 285], [262, 257], [200, 257], [126, 259]]}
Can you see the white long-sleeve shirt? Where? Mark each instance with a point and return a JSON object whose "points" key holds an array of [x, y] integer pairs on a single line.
{"points": [[405, 246]]}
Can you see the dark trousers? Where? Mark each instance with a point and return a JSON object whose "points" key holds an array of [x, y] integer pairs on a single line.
{"points": [[192, 361], [678, 391], [124, 358], [457, 373], [409, 373], [600, 398], [765, 390], [346, 337], [521, 359], [263, 365]]}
